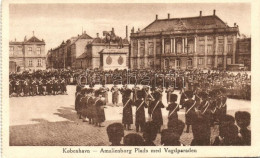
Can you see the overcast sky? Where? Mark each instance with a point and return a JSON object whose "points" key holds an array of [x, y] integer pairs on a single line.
{"points": [[57, 22]]}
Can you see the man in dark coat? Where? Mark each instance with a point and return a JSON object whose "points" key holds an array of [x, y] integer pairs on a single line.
{"points": [[155, 111], [100, 112], [127, 119], [33, 87], [173, 108], [140, 112], [189, 109]]}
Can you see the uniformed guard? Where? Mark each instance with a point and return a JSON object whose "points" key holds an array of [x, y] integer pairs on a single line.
{"points": [[63, 84], [33, 87], [189, 106], [40, 87], [49, 84], [173, 108], [135, 89], [168, 92], [104, 91], [140, 112], [100, 112], [127, 119], [115, 94], [155, 111]]}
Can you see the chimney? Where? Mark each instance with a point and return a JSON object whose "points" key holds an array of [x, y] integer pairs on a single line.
{"points": [[214, 12], [126, 31], [168, 15], [156, 17], [25, 39], [138, 29], [97, 35], [133, 30], [15, 39], [113, 30], [235, 24], [200, 13]]}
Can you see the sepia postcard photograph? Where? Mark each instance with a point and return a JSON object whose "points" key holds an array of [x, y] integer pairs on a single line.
{"points": [[130, 79]]}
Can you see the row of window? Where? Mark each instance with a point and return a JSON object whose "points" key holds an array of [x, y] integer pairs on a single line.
{"points": [[38, 62], [19, 50], [178, 62], [190, 49]]}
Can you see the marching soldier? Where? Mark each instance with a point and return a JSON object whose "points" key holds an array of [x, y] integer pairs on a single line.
{"points": [[18, 86], [127, 119], [115, 94], [155, 111], [40, 87], [135, 89], [173, 108], [49, 84], [189, 106], [55, 86], [33, 87], [26, 87], [140, 112], [104, 91], [63, 84], [100, 112], [169, 91]]}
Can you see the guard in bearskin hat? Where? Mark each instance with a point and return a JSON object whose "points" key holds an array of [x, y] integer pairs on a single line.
{"points": [[140, 112], [127, 119], [154, 110], [173, 108], [189, 106]]}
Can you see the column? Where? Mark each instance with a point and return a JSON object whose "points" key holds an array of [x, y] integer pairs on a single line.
{"points": [[195, 61], [154, 52], [146, 51], [173, 45], [195, 44], [225, 52], [131, 55], [234, 49], [206, 52], [162, 45], [183, 45], [186, 44], [216, 52], [138, 54]]}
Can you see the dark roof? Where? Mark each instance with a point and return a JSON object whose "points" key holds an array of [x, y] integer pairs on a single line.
{"points": [[83, 36], [97, 40], [34, 39], [203, 22], [84, 55]]}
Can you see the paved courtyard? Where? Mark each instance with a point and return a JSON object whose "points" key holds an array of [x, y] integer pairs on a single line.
{"points": [[52, 121]]}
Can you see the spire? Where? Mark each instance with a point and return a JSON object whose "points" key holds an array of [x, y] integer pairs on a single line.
{"points": [[33, 33]]}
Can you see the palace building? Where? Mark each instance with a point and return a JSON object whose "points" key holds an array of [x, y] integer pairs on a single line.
{"points": [[27, 55], [109, 52], [204, 42]]}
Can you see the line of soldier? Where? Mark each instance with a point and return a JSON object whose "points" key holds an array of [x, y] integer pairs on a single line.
{"points": [[89, 105], [203, 109], [34, 84], [237, 86]]}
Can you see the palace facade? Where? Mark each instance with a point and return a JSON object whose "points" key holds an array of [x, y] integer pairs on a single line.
{"points": [[27, 55], [204, 42]]}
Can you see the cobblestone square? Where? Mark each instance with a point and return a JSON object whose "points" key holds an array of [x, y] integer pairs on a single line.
{"points": [[52, 121]]}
